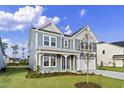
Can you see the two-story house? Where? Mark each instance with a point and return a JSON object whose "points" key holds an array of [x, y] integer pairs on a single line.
{"points": [[2, 56], [53, 51], [110, 54]]}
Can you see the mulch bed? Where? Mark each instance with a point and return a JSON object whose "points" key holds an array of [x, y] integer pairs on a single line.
{"points": [[85, 85]]}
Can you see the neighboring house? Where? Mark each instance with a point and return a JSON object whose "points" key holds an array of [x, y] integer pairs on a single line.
{"points": [[53, 51], [2, 56], [110, 54]]}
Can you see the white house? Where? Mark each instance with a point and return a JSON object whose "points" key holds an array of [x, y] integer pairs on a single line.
{"points": [[110, 54], [2, 56], [53, 51]]}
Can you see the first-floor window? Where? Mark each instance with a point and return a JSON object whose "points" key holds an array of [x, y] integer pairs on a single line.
{"points": [[46, 60], [53, 60], [50, 60]]}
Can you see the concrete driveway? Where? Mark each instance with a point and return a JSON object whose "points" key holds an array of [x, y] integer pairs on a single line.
{"points": [[113, 74]]}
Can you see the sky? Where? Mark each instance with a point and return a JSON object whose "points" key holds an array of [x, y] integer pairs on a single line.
{"points": [[107, 22]]}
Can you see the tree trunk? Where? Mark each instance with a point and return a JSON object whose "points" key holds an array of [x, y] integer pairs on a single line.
{"points": [[87, 71]]}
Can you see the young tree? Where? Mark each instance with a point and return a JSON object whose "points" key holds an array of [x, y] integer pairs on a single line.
{"points": [[87, 53]]}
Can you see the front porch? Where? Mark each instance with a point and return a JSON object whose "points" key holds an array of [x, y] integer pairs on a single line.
{"points": [[56, 62]]}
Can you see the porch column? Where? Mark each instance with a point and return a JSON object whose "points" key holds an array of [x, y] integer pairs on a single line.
{"points": [[70, 63], [66, 56], [74, 64], [78, 63], [36, 62], [61, 62], [40, 55]]}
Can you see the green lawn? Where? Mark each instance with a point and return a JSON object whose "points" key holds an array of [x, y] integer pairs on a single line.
{"points": [[15, 78], [118, 69]]}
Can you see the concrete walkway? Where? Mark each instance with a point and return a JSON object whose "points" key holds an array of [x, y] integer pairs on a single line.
{"points": [[113, 74]]}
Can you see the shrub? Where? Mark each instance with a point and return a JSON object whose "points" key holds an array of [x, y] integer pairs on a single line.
{"points": [[35, 74], [12, 64], [23, 62], [3, 69]]}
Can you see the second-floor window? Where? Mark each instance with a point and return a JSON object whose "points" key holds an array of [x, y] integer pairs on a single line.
{"points": [[53, 41], [49, 41], [46, 40], [65, 43]]}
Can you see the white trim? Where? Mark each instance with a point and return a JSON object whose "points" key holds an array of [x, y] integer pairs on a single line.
{"points": [[67, 43], [50, 61], [61, 61], [36, 60], [55, 61], [74, 44], [50, 41], [70, 62], [43, 40], [49, 33], [36, 39], [48, 22], [43, 63], [55, 41]]}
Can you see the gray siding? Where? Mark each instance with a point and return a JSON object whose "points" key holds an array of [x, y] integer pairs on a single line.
{"points": [[58, 42], [40, 39], [1, 59], [70, 44], [32, 49], [77, 44]]}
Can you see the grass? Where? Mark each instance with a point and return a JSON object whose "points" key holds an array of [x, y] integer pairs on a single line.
{"points": [[15, 78], [117, 69]]}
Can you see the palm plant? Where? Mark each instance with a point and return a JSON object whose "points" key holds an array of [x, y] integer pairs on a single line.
{"points": [[23, 52], [4, 45], [15, 48]]}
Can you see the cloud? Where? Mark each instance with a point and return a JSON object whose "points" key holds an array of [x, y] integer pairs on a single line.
{"points": [[65, 18], [56, 20], [24, 18], [6, 40], [68, 30], [82, 12], [44, 19], [21, 19]]}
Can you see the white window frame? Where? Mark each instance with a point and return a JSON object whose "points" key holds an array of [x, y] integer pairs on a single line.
{"points": [[55, 41], [67, 43], [50, 61], [43, 40], [43, 62], [50, 40], [55, 60]]}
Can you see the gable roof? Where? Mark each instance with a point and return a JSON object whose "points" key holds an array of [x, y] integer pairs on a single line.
{"points": [[100, 43], [47, 24], [50, 22], [2, 47], [119, 43]]}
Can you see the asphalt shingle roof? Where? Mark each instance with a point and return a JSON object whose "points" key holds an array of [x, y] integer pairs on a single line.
{"points": [[119, 43]]}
